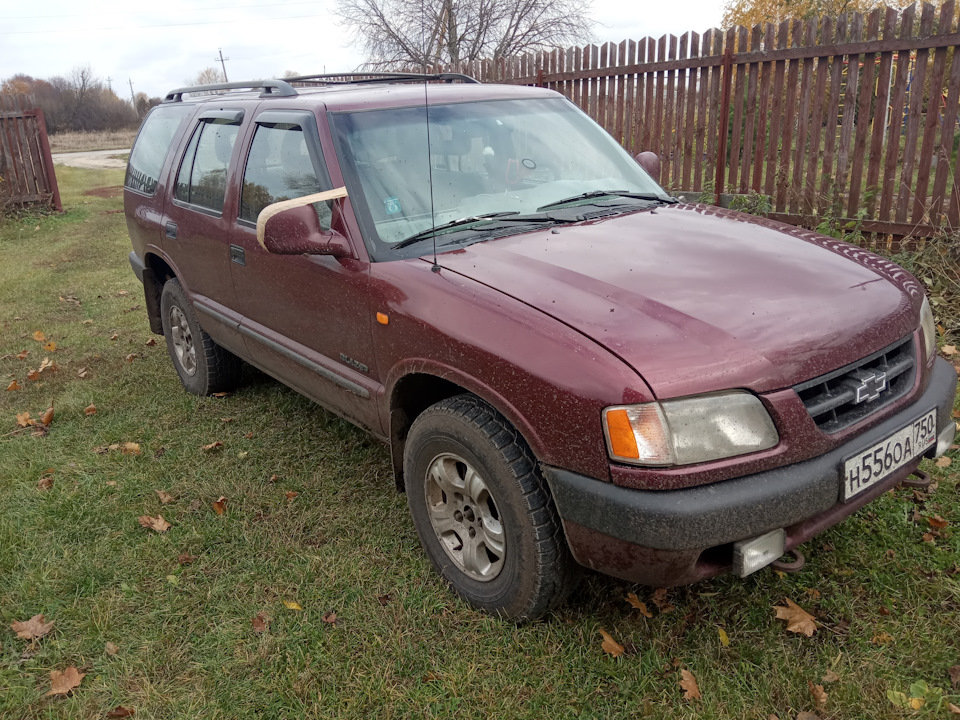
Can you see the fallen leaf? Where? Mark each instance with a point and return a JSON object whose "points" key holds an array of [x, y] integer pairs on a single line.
{"points": [[114, 336], [220, 505], [47, 364], [112, 483], [154, 523], [22, 355], [62, 683], [943, 462], [226, 420], [151, 342], [39, 336], [131, 357], [819, 694], [798, 620], [949, 349], [161, 451], [273, 479], [47, 416], [220, 394], [611, 646], [242, 454], [882, 638], [689, 684], [292, 605], [813, 593], [330, 617], [186, 558], [898, 698], [917, 702], [384, 599], [929, 538], [46, 481], [659, 599], [830, 676], [260, 622], [33, 375], [24, 419], [33, 628], [805, 715], [111, 649], [50, 346], [14, 385], [724, 638], [122, 293], [216, 445], [291, 494], [165, 497], [953, 709], [173, 580], [249, 436], [129, 448], [937, 522], [86, 322], [121, 712], [82, 373], [954, 673], [635, 602]]}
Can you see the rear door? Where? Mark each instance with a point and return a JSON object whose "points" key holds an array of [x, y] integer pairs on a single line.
{"points": [[306, 318]]}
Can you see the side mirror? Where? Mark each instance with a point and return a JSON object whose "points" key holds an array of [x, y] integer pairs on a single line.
{"points": [[650, 162], [291, 227]]}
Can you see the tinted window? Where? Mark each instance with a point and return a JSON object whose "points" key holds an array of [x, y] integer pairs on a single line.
{"points": [[278, 168], [153, 142], [202, 179]]}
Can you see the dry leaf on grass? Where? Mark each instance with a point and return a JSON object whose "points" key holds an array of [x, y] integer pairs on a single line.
{"points": [[949, 349], [724, 638], [216, 445], [954, 673], [111, 649], [943, 462], [220, 505], [291, 494], [937, 522], [151, 342], [14, 385], [830, 676], [62, 683], [39, 336], [50, 346], [659, 599], [130, 448], [46, 481], [273, 478], [47, 416], [24, 420], [33, 375], [635, 602], [186, 558], [90, 409], [121, 712], [82, 373], [804, 715], [131, 357], [691, 691], [114, 336], [292, 605], [954, 710], [249, 436], [165, 497], [819, 694], [154, 523], [330, 618], [611, 646], [260, 622], [220, 394], [33, 628], [384, 600], [882, 638], [798, 620], [22, 355]]}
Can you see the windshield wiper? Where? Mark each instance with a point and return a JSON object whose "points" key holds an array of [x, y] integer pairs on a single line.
{"points": [[609, 193], [430, 232]]}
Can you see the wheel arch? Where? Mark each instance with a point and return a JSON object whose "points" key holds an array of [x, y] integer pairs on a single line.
{"points": [[155, 274]]}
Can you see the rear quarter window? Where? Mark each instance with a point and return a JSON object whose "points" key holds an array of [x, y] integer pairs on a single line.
{"points": [[152, 145]]}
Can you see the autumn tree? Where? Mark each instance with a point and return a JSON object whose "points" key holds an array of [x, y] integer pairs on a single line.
{"points": [[750, 13], [403, 33]]}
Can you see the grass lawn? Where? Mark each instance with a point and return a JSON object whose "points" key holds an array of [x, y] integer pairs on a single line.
{"points": [[312, 518]]}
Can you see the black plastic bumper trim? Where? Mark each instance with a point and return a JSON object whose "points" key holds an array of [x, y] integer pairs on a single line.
{"points": [[137, 264], [710, 515]]}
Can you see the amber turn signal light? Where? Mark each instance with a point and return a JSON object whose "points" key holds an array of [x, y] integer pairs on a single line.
{"points": [[382, 318]]}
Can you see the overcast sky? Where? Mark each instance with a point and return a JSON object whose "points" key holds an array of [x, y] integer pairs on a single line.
{"points": [[161, 46]]}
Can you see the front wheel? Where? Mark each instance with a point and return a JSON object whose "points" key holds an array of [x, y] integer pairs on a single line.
{"points": [[483, 512], [203, 366]]}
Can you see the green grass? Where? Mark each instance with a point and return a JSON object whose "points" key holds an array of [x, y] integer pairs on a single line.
{"points": [[186, 646]]}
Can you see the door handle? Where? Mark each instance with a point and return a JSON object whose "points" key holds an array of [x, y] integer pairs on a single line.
{"points": [[171, 230]]}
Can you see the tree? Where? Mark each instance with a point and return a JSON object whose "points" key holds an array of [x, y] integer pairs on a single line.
{"points": [[403, 33], [750, 13], [207, 76]]}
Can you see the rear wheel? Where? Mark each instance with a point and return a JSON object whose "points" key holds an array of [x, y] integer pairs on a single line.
{"points": [[483, 512], [203, 366]]}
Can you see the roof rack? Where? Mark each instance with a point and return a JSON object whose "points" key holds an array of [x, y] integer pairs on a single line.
{"points": [[268, 88], [375, 77]]}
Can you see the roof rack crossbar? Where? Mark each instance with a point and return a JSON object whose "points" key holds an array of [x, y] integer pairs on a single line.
{"points": [[268, 88], [374, 77]]}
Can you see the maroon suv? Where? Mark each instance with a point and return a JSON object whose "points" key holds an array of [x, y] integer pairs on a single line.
{"points": [[569, 366]]}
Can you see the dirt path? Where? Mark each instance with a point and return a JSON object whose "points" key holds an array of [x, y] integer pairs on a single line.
{"points": [[94, 159]]}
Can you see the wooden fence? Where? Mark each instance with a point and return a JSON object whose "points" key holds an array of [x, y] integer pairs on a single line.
{"points": [[852, 117], [26, 168]]}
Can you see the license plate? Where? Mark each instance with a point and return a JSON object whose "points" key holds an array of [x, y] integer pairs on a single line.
{"points": [[876, 463]]}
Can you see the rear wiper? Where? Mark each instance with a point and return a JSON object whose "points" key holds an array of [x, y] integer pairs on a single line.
{"points": [[430, 232], [609, 193]]}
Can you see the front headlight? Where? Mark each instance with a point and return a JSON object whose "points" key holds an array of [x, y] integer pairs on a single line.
{"points": [[689, 430], [928, 328]]}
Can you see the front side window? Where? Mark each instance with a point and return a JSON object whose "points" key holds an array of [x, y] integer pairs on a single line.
{"points": [[202, 179], [152, 145], [279, 168]]}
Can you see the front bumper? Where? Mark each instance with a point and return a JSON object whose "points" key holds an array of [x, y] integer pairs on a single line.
{"points": [[676, 537]]}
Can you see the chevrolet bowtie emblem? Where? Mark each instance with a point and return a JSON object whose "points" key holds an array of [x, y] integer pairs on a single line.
{"points": [[867, 385]]}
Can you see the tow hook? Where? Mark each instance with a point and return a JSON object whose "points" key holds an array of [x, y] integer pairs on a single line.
{"points": [[790, 567], [922, 481]]}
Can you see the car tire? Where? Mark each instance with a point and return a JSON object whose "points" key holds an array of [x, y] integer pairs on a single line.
{"points": [[483, 511], [203, 366]]}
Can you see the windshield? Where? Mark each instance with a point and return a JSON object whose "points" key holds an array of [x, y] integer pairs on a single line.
{"points": [[485, 157]]}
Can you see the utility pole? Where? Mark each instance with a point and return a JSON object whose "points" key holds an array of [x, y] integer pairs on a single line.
{"points": [[222, 60], [133, 98], [109, 83]]}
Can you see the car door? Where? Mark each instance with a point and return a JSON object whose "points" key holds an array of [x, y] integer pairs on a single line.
{"points": [[305, 318], [199, 220]]}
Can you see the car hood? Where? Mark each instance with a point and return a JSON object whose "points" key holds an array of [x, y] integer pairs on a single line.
{"points": [[698, 299]]}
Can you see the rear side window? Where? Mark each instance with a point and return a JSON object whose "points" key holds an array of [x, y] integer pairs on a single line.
{"points": [[202, 179], [152, 145], [278, 168]]}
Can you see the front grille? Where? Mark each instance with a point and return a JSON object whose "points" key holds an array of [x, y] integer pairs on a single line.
{"points": [[846, 396]]}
